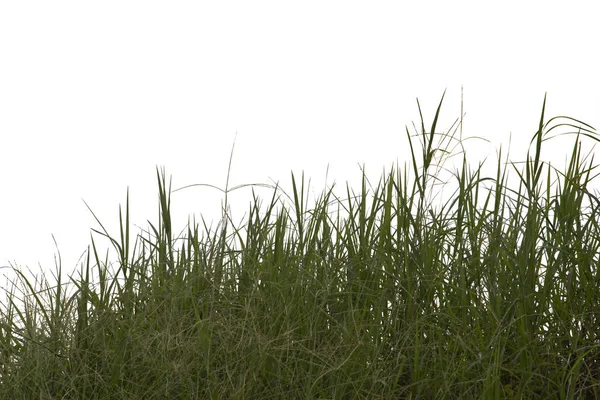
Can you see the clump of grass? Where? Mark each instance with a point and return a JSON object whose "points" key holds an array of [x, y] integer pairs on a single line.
{"points": [[382, 298]]}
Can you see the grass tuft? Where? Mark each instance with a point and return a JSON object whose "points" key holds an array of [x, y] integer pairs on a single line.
{"points": [[375, 295]]}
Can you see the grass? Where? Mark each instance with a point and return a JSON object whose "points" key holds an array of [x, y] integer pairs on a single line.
{"points": [[375, 296]]}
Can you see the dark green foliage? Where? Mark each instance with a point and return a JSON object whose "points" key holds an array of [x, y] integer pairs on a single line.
{"points": [[383, 299]]}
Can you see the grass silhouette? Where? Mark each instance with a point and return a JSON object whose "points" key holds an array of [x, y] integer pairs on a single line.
{"points": [[382, 298]]}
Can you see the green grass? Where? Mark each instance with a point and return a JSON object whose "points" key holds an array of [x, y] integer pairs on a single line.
{"points": [[372, 295]]}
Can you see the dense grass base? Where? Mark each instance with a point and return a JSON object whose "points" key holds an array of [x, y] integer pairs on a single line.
{"points": [[386, 299]]}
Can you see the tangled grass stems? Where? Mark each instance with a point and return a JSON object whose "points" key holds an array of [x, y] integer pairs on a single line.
{"points": [[381, 299]]}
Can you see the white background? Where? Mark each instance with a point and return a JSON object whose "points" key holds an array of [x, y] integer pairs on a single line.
{"points": [[95, 95]]}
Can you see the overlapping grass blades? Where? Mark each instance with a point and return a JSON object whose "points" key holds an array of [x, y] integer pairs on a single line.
{"points": [[382, 298]]}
